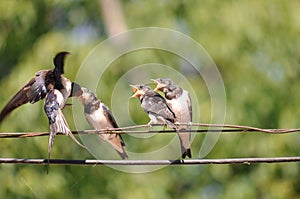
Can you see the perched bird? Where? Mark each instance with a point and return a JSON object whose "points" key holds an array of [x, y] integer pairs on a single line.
{"points": [[37, 88], [99, 116], [56, 88], [54, 103], [154, 105], [53, 106], [180, 103]]}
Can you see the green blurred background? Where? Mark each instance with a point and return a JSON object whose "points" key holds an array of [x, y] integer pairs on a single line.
{"points": [[256, 47]]}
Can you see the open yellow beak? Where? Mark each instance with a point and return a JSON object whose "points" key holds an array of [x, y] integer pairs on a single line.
{"points": [[157, 88], [156, 82], [135, 90]]}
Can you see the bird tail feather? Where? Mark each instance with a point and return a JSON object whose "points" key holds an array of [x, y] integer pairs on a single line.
{"points": [[185, 138], [116, 142]]}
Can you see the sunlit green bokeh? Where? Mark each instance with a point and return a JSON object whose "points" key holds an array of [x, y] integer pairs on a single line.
{"points": [[255, 45]]}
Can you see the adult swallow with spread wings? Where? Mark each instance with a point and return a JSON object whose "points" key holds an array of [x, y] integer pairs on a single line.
{"points": [[37, 88], [154, 105], [99, 116], [180, 103], [56, 88]]}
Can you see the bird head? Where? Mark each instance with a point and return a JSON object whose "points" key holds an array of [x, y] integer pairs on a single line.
{"points": [[162, 83], [139, 90], [76, 90], [41, 73], [87, 96]]}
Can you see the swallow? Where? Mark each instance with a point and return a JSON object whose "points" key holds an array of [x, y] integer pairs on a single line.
{"points": [[180, 103], [37, 88], [99, 117], [56, 88], [54, 103], [154, 105]]}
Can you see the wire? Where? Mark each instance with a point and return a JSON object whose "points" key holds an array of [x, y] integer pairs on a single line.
{"points": [[210, 128], [247, 161]]}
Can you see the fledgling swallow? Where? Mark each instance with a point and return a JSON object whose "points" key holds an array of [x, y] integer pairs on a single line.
{"points": [[180, 103], [53, 106], [154, 105], [99, 117]]}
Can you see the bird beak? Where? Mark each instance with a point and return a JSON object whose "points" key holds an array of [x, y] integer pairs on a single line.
{"points": [[154, 80], [158, 87], [134, 88], [76, 90], [135, 95], [136, 91]]}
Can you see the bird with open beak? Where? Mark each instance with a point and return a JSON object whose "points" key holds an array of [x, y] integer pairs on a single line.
{"points": [[154, 105], [180, 103], [99, 116], [56, 88]]}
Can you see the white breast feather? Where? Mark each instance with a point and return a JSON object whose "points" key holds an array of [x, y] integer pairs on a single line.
{"points": [[180, 107], [98, 119], [59, 98], [68, 88]]}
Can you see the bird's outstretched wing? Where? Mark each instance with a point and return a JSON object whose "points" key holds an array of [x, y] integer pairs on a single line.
{"points": [[59, 61], [38, 89], [58, 70], [32, 92]]}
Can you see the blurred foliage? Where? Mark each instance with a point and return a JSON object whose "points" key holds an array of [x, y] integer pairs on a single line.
{"points": [[256, 47]]}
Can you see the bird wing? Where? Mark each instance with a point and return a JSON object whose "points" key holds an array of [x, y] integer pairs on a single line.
{"points": [[58, 61], [38, 89], [157, 106], [51, 106], [57, 120], [109, 115], [112, 120], [32, 92], [189, 102]]}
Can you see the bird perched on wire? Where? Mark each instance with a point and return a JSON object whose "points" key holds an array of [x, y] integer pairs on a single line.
{"points": [[54, 103], [180, 103], [154, 105], [99, 116], [37, 88], [56, 88]]}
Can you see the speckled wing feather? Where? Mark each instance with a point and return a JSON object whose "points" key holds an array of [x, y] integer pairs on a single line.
{"points": [[38, 89], [32, 92], [51, 108], [57, 121], [156, 105]]}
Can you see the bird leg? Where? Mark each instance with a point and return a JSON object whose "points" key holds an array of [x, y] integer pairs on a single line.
{"points": [[149, 124]]}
